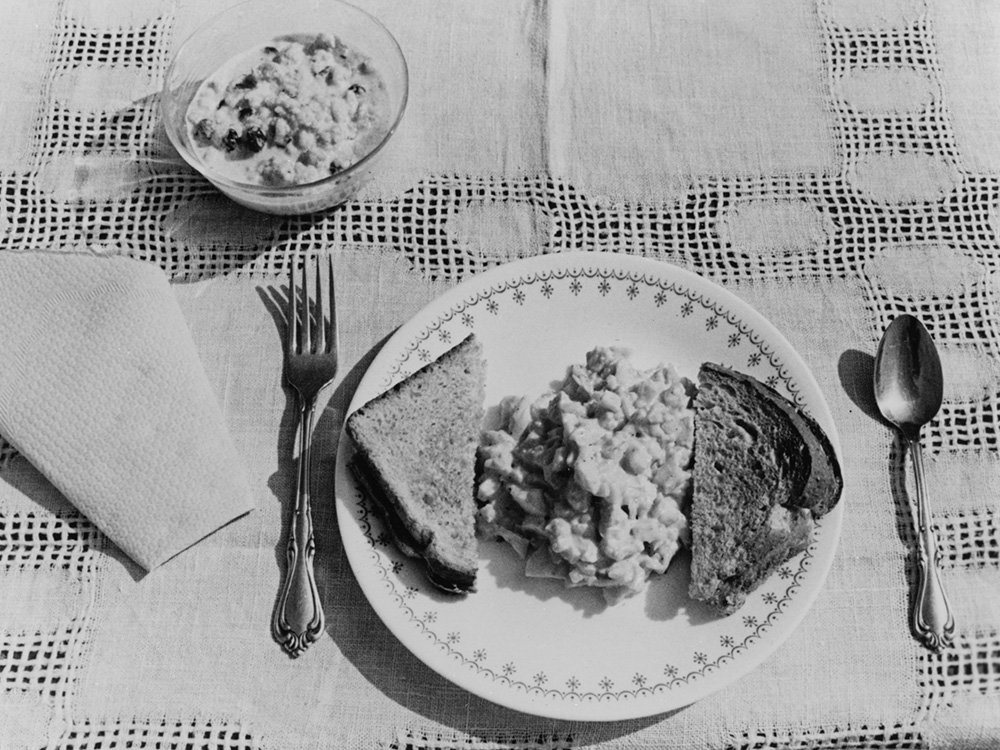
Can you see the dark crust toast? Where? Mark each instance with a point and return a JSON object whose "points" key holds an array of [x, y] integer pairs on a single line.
{"points": [[754, 451], [826, 481]]}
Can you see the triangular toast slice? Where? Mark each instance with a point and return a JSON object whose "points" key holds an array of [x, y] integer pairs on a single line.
{"points": [[415, 453], [763, 471]]}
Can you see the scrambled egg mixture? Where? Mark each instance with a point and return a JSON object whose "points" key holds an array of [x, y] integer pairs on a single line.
{"points": [[588, 483], [290, 112]]}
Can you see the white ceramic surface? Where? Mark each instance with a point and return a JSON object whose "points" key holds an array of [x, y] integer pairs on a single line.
{"points": [[533, 645]]}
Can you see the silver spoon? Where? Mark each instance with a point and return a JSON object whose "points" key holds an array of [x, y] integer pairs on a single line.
{"points": [[908, 390]]}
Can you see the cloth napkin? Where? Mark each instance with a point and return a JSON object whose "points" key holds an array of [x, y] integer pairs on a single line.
{"points": [[102, 390]]}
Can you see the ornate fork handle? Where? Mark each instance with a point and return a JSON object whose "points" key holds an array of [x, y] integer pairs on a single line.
{"points": [[310, 365], [298, 617]]}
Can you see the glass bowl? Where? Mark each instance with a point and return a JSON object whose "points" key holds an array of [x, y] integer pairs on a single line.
{"points": [[258, 22]]}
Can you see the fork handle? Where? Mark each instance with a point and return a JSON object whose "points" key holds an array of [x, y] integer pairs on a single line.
{"points": [[298, 617], [933, 621]]}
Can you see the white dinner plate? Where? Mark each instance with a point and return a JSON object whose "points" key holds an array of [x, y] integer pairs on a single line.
{"points": [[532, 644]]}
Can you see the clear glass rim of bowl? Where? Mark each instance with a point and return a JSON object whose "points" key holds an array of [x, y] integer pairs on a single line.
{"points": [[284, 191]]}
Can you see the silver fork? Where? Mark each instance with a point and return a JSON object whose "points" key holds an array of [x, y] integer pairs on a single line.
{"points": [[310, 365]]}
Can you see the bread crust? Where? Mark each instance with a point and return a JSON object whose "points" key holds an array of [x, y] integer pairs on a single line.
{"points": [[826, 482], [763, 470], [415, 448], [442, 573]]}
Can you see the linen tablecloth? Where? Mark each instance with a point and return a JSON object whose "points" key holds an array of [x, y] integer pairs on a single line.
{"points": [[834, 163]]}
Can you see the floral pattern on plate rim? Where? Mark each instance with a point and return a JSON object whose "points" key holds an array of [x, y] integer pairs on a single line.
{"points": [[751, 628], [717, 314]]}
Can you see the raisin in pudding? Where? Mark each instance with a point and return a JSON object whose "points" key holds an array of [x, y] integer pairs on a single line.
{"points": [[290, 112]]}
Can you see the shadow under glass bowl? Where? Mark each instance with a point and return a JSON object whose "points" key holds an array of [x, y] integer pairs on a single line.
{"points": [[255, 23]]}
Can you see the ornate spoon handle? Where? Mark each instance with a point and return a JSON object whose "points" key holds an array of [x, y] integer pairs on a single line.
{"points": [[932, 618], [298, 616]]}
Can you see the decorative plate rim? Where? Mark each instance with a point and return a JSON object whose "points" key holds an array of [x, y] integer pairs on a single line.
{"points": [[376, 570]]}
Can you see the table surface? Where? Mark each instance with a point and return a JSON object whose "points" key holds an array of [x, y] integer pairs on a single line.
{"points": [[832, 163]]}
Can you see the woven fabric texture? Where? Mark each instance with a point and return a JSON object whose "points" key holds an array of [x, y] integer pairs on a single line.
{"points": [[834, 163]]}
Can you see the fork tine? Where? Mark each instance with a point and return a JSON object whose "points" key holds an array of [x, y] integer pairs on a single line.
{"points": [[334, 343], [320, 312], [292, 329], [306, 347]]}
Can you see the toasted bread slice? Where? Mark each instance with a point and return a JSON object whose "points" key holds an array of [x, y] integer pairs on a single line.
{"points": [[763, 471], [825, 483], [415, 452]]}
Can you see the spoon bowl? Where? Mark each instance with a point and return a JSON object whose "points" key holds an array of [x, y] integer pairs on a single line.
{"points": [[909, 385], [909, 389]]}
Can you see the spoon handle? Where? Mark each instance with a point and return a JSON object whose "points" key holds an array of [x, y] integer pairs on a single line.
{"points": [[933, 622]]}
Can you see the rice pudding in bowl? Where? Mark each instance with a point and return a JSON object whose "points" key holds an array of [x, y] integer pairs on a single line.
{"points": [[282, 120], [289, 112]]}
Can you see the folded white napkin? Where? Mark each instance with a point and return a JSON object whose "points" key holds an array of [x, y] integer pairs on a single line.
{"points": [[102, 389]]}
